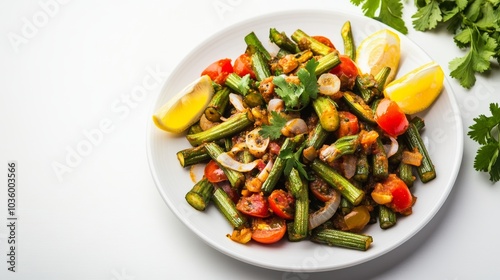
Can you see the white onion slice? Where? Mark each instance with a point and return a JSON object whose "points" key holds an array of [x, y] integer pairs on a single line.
{"points": [[257, 145], [326, 212], [226, 160], [294, 127], [237, 101], [262, 176], [275, 105], [391, 149], [329, 84]]}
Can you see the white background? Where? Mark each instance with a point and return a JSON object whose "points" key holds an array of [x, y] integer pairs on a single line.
{"points": [[70, 69]]}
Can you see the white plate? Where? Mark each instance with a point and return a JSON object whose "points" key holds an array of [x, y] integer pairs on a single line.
{"points": [[443, 135]]}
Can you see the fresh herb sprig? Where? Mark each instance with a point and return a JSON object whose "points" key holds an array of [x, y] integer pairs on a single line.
{"points": [[486, 131], [298, 96], [475, 25], [273, 129]]}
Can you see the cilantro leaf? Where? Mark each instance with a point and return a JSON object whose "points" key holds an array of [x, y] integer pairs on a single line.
{"points": [[427, 17], [273, 130], [292, 160], [486, 132], [477, 59], [289, 92], [390, 12], [244, 84], [307, 77]]}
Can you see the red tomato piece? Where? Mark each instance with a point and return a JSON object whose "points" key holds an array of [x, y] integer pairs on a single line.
{"points": [[347, 71], [219, 70], [243, 66], [282, 204], [349, 124], [324, 40], [391, 119], [214, 173], [274, 148], [268, 230], [321, 190], [399, 195], [255, 205]]}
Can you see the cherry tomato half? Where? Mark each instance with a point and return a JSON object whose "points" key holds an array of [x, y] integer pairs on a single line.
{"points": [[243, 66], [219, 70], [348, 124], [268, 230], [255, 205], [390, 117], [347, 71], [214, 173], [321, 190], [282, 203], [324, 40]]}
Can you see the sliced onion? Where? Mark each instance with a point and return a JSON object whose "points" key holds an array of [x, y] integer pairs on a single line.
{"points": [[294, 127], [329, 84], [262, 176], [257, 145], [391, 149], [326, 212], [276, 105], [237, 101], [226, 160]]}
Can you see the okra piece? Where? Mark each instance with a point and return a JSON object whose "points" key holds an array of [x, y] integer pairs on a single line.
{"points": [[233, 125], [339, 238], [259, 65], [304, 41], [418, 122], [380, 162], [193, 155], [327, 62], [283, 41], [326, 110], [238, 84], [346, 33], [362, 168], [426, 170], [217, 105], [406, 174], [337, 181], [345, 206], [227, 207], [345, 145], [317, 137], [279, 164], [253, 41], [201, 193], [195, 128], [298, 230], [381, 78], [304, 56], [387, 217], [235, 178], [359, 107]]}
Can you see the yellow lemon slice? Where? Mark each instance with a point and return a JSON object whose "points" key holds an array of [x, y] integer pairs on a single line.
{"points": [[377, 51], [417, 90], [186, 107]]}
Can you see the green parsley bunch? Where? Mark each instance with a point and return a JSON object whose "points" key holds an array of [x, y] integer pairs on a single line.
{"points": [[475, 25]]}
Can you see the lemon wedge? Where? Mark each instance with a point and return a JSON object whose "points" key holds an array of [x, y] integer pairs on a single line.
{"points": [[417, 90], [377, 51], [186, 107]]}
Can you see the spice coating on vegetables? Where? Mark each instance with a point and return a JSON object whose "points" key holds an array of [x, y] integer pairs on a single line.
{"points": [[296, 153]]}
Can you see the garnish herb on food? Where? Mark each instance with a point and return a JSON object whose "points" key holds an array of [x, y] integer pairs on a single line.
{"points": [[298, 145], [486, 131], [474, 25]]}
